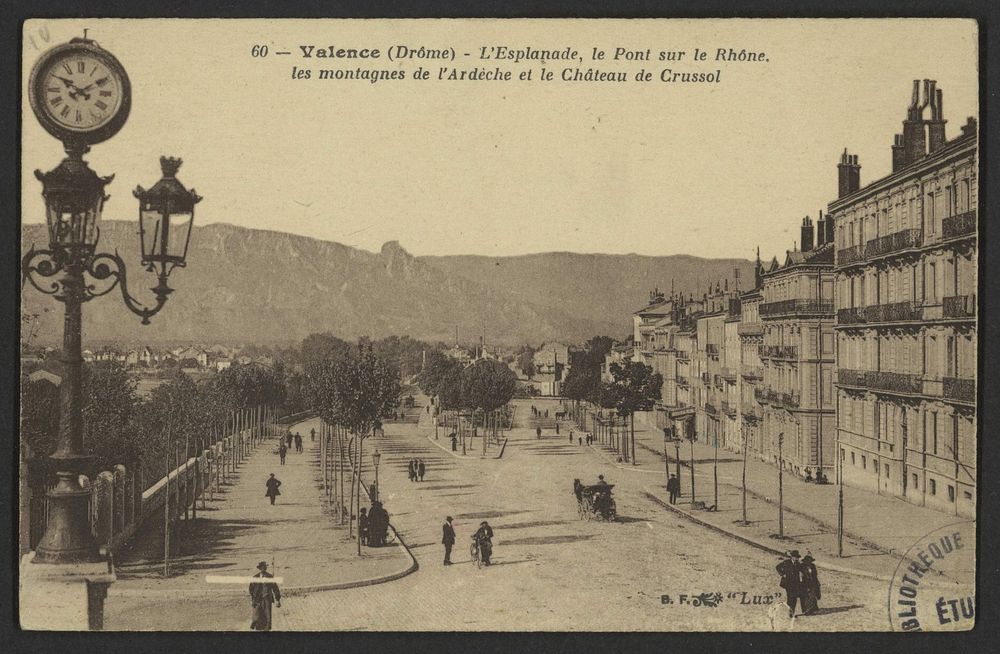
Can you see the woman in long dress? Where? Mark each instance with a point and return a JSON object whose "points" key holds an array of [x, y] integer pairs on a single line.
{"points": [[810, 586]]}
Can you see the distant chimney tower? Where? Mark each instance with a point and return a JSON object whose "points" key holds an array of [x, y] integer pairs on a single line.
{"points": [[848, 174], [935, 126], [807, 234]]}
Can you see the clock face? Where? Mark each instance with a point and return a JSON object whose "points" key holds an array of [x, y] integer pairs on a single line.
{"points": [[80, 92]]}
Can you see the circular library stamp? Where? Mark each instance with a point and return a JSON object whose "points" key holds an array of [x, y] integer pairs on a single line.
{"points": [[934, 585]]}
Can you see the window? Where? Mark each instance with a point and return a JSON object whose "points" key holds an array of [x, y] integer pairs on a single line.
{"points": [[886, 470], [968, 495], [951, 493], [916, 481], [933, 487], [853, 462], [842, 454], [864, 462]]}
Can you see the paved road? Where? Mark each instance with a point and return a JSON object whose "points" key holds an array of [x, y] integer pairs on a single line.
{"points": [[554, 571]]}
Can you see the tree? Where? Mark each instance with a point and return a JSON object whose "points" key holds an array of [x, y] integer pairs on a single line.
{"points": [[526, 361], [584, 379], [488, 385], [440, 370], [635, 388]]}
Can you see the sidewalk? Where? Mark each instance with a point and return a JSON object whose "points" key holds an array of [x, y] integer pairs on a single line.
{"points": [[877, 529], [297, 537]]}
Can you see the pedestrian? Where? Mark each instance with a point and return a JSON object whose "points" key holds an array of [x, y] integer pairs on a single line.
{"points": [[557, 430], [810, 586], [600, 480], [790, 570], [428, 408], [411, 470], [272, 488], [298, 442], [378, 525], [484, 539], [570, 435], [262, 595], [421, 469], [579, 441], [538, 432], [447, 539], [289, 437], [674, 488], [454, 442], [312, 435], [363, 525], [282, 451]]}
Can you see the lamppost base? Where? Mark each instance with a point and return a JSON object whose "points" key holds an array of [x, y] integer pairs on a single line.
{"points": [[67, 537]]}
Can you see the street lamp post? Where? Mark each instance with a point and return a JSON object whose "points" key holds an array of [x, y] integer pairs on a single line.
{"points": [[376, 457], [781, 496], [71, 271]]}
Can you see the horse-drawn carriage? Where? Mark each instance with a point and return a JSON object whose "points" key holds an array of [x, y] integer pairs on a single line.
{"points": [[594, 502]]}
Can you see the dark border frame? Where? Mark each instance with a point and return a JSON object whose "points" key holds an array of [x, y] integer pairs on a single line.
{"points": [[987, 13]]}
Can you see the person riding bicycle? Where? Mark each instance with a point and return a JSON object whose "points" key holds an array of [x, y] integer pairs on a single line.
{"points": [[484, 541]]}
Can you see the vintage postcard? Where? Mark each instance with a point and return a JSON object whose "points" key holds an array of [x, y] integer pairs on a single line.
{"points": [[499, 325]]}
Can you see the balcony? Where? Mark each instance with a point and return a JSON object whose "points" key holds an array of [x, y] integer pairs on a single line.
{"points": [[711, 410], [712, 349], [959, 306], [788, 400], [683, 382], [778, 352], [846, 377], [728, 409], [851, 316], [762, 395], [750, 410], [752, 374], [796, 307], [960, 225], [683, 356], [750, 329], [706, 378], [902, 240], [959, 389], [729, 375], [850, 255]]}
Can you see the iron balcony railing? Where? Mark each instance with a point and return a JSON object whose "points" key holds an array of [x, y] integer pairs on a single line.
{"points": [[710, 409], [683, 356], [892, 312], [778, 351], [959, 389], [960, 225], [706, 378], [752, 374], [850, 255], [902, 240], [880, 380], [959, 306], [750, 329], [796, 307], [712, 349], [788, 400], [728, 409], [750, 409], [682, 381]]}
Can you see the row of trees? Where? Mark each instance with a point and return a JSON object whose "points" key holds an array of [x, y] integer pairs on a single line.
{"points": [[121, 427], [485, 385], [633, 386]]}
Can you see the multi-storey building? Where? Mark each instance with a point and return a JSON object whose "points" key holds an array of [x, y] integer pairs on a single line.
{"points": [[906, 268], [751, 373], [797, 313]]}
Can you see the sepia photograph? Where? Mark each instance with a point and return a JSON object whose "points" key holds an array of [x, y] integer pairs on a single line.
{"points": [[498, 325]]}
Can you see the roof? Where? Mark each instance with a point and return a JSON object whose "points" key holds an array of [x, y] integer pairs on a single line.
{"points": [[821, 256], [661, 307]]}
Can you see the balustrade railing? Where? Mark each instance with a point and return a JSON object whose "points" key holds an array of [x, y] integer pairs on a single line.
{"points": [[778, 351], [901, 240], [796, 307], [880, 380], [959, 306], [959, 225], [959, 388]]}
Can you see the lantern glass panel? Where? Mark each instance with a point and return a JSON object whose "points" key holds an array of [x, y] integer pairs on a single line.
{"points": [[69, 228], [177, 235], [150, 232]]}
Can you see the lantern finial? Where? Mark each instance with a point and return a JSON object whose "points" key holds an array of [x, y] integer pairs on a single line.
{"points": [[169, 165]]}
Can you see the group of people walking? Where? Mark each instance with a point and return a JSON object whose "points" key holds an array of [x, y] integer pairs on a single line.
{"points": [[800, 580], [374, 525], [415, 469], [285, 444], [580, 439]]}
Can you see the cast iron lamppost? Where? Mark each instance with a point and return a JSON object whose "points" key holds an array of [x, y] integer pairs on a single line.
{"points": [[376, 457]]}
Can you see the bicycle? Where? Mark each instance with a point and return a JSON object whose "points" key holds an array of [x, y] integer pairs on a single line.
{"points": [[474, 552]]}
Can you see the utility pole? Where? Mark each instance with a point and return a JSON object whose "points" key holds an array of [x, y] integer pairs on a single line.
{"points": [[746, 441], [781, 495], [715, 471], [691, 440]]}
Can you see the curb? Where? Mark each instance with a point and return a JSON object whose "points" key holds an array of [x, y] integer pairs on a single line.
{"points": [[761, 546], [454, 454]]}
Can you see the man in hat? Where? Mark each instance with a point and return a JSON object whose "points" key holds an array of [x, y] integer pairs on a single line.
{"points": [[790, 570], [447, 539], [262, 595], [484, 539], [272, 487], [674, 488]]}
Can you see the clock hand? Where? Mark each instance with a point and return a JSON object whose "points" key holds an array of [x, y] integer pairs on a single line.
{"points": [[65, 81]]}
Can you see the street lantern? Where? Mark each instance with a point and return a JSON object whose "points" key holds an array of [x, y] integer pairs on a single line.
{"points": [[166, 215], [74, 197]]}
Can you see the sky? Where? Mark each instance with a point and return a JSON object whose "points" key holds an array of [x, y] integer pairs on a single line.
{"points": [[495, 169]]}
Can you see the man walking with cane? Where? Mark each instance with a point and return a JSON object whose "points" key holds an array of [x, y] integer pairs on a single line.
{"points": [[447, 539], [262, 595]]}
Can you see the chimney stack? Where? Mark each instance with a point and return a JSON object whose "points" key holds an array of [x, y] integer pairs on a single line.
{"points": [[914, 133], [848, 174], [969, 127], [807, 234], [935, 126], [829, 229], [820, 230], [898, 155]]}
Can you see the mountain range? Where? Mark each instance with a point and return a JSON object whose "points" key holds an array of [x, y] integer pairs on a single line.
{"points": [[246, 285]]}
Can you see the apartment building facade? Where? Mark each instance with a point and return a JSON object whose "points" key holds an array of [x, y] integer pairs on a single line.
{"points": [[906, 284]]}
